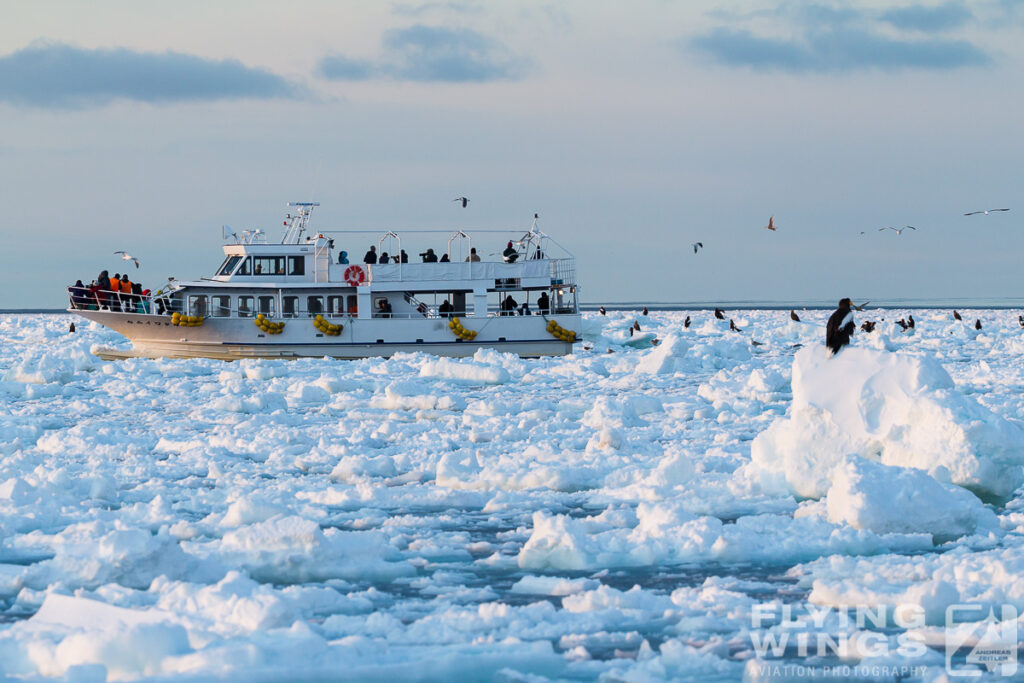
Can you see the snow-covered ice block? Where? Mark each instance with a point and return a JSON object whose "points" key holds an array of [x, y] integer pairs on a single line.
{"points": [[895, 408], [887, 499]]}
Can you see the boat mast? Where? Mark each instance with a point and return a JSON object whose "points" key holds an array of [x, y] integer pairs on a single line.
{"points": [[295, 223]]}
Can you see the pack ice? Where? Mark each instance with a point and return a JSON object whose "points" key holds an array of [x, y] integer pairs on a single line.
{"points": [[625, 513]]}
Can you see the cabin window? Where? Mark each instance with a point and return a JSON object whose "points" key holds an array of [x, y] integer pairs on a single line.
{"points": [[353, 305], [221, 306], [246, 268], [335, 305], [245, 307], [229, 265], [197, 304], [290, 306], [267, 305], [268, 265], [381, 307], [315, 305], [296, 265]]}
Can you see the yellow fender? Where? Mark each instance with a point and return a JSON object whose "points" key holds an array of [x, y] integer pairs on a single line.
{"points": [[560, 332], [455, 325]]}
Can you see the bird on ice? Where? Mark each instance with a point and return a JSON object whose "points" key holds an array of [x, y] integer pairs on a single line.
{"points": [[794, 317], [771, 224], [956, 315], [466, 201], [696, 246], [899, 231], [719, 313], [977, 324], [125, 256], [985, 212]]}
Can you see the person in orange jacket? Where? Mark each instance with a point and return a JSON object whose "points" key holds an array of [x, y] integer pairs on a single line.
{"points": [[127, 300], [114, 298]]}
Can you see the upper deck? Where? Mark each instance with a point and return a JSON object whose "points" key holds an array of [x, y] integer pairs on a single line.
{"points": [[449, 259]]}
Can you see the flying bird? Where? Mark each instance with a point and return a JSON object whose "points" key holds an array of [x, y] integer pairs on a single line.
{"points": [[466, 201], [794, 317], [956, 315], [771, 223], [986, 212], [899, 231], [125, 256], [696, 246]]}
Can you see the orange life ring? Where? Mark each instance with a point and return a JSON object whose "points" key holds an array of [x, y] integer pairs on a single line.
{"points": [[355, 275]]}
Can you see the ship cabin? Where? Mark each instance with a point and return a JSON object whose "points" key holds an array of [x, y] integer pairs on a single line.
{"points": [[323, 274]]}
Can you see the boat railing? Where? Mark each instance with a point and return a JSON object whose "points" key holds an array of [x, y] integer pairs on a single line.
{"points": [[86, 298]]}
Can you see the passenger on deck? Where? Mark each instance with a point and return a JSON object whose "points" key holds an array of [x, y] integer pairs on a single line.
{"points": [[444, 258], [429, 256], [127, 300], [370, 257], [508, 306], [543, 303], [510, 254], [472, 255], [95, 296], [405, 257], [445, 309], [79, 295], [114, 296], [524, 309], [343, 258], [383, 309], [384, 258]]}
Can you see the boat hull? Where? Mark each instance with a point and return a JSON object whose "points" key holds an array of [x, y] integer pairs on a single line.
{"points": [[155, 336]]}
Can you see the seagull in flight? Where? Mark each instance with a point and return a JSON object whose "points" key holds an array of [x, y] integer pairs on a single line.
{"points": [[771, 224], [696, 246], [986, 211], [463, 200], [899, 231], [125, 256]]}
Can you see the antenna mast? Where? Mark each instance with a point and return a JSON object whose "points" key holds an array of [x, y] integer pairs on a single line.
{"points": [[295, 223]]}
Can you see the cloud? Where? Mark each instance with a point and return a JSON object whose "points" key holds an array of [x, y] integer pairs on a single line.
{"points": [[63, 76], [432, 54], [929, 19], [823, 38]]}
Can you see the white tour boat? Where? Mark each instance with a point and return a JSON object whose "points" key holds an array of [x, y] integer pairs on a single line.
{"points": [[295, 299]]}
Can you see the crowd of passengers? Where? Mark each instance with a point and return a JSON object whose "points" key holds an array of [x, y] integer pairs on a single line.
{"points": [[107, 293], [371, 257]]}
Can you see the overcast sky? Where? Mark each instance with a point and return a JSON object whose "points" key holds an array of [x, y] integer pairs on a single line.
{"points": [[634, 129]]}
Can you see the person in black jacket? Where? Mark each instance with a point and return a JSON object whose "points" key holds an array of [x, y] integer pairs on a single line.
{"points": [[103, 281], [79, 294], [543, 303], [370, 257], [840, 327]]}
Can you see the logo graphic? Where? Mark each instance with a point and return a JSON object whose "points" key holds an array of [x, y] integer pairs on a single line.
{"points": [[978, 640]]}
